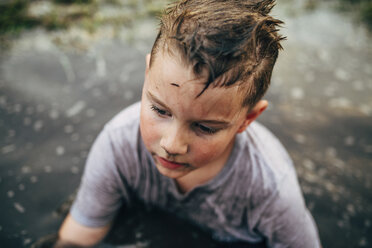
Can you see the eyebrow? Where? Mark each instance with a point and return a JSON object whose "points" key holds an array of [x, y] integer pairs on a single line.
{"points": [[155, 99], [215, 122]]}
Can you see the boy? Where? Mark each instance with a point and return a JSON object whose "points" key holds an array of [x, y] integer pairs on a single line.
{"points": [[191, 147]]}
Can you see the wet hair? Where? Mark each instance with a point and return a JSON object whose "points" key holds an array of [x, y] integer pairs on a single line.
{"points": [[235, 41]]}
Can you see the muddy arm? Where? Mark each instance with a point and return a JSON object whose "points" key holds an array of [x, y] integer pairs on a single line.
{"points": [[73, 234]]}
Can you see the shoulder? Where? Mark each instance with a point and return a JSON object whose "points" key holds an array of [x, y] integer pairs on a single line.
{"points": [[265, 164], [124, 127], [267, 158], [128, 117]]}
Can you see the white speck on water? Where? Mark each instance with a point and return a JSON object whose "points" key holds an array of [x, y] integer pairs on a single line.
{"points": [[331, 152], [27, 241], [368, 149], [358, 85], [330, 187], [338, 163], [48, 169], [300, 138], [38, 125], [75, 160], [322, 172], [329, 91], [75, 109], [74, 170], [351, 209], [75, 137], [139, 235], [27, 121], [96, 92], [21, 187], [113, 88], [8, 149], [67, 67], [29, 146], [342, 74], [10, 193], [68, 129], [17, 108], [3, 100], [335, 198], [367, 69], [19, 207], [340, 223], [30, 110], [310, 177], [54, 114], [341, 102], [89, 138], [349, 141], [363, 242], [60, 150], [297, 93], [101, 67], [128, 95], [83, 154], [33, 179], [11, 133], [309, 77], [324, 55], [40, 108], [367, 223], [91, 112], [308, 164], [365, 109], [26, 169]]}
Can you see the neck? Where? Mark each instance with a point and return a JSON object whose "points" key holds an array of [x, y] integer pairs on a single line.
{"points": [[203, 174]]}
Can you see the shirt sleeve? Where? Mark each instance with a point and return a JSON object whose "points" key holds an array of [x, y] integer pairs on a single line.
{"points": [[101, 191], [286, 222]]}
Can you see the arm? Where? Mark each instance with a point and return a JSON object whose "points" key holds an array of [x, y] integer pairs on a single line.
{"points": [[74, 234], [286, 222]]}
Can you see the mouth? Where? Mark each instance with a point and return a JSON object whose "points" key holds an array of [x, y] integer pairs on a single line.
{"points": [[170, 164]]}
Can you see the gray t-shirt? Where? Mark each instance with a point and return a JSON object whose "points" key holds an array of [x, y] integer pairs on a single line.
{"points": [[256, 195]]}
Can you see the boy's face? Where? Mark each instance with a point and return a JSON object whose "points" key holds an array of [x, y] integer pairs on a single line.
{"points": [[188, 135]]}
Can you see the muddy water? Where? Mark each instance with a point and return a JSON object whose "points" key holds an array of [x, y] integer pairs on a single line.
{"points": [[58, 89]]}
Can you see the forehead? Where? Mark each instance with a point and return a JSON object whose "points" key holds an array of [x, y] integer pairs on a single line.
{"points": [[173, 82]]}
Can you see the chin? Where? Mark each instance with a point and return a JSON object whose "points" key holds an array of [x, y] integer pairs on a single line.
{"points": [[174, 174]]}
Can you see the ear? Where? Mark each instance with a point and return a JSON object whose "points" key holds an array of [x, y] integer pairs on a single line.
{"points": [[253, 114]]}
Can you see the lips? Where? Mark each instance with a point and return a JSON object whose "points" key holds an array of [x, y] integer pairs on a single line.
{"points": [[170, 164]]}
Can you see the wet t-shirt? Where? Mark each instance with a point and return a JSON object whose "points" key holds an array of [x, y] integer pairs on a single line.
{"points": [[256, 195]]}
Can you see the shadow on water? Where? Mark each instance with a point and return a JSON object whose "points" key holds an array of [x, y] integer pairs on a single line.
{"points": [[57, 89]]}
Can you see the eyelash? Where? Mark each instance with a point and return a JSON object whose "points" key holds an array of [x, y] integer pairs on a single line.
{"points": [[205, 129], [159, 111], [199, 127]]}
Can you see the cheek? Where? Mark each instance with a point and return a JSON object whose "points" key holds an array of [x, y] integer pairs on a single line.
{"points": [[149, 132], [208, 151]]}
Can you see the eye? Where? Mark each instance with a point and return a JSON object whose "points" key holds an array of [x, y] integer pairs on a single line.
{"points": [[205, 129], [159, 111]]}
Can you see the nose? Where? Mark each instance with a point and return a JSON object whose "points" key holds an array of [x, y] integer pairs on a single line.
{"points": [[174, 141]]}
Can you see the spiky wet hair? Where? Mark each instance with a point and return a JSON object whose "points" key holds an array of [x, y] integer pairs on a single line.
{"points": [[236, 41]]}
